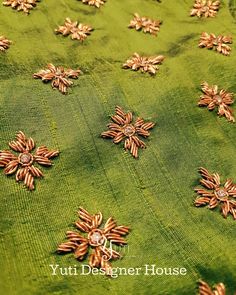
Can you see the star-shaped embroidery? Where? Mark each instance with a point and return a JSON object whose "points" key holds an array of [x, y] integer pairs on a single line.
{"points": [[215, 193], [146, 24], [77, 31], [206, 8], [215, 98], [144, 63], [23, 164], [217, 43], [99, 239], [24, 5], [96, 3], [58, 76], [123, 128]]}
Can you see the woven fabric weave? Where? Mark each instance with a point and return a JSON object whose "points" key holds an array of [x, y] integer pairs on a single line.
{"points": [[154, 194]]}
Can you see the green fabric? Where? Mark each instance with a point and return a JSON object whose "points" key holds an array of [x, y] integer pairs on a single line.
{"points": [[153, 195]]}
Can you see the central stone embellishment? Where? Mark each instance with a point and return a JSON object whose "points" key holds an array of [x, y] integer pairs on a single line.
{"points": [[221, 194], [129, 130], [218, 99], [96, 238], [25, 159]]}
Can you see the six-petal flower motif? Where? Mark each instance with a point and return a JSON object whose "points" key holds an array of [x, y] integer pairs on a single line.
{"points": [[214, 193], [23, 164], [215, 98], [99, 239], [123, 128]]}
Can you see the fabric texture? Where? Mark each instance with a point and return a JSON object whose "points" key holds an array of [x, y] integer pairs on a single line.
{"points": [[154, 194]]}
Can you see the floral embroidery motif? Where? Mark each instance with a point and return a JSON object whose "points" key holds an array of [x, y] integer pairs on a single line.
{"points": [[123, 128], [216, 194], [23, 164], [97, 239]]}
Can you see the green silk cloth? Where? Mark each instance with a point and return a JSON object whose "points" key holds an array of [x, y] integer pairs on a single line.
{"points": [[154, 194]]}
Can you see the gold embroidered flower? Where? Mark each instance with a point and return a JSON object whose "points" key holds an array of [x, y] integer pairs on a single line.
{"points": [[59, 77], [96, 3], [98, 239], [216, 194], [77, 31], [214, 98], [23, 164], [218, 43], [24, 5], [143, 63], [147, 24], [123, 128], [206, 8], [4, 43], [205, 289]]}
